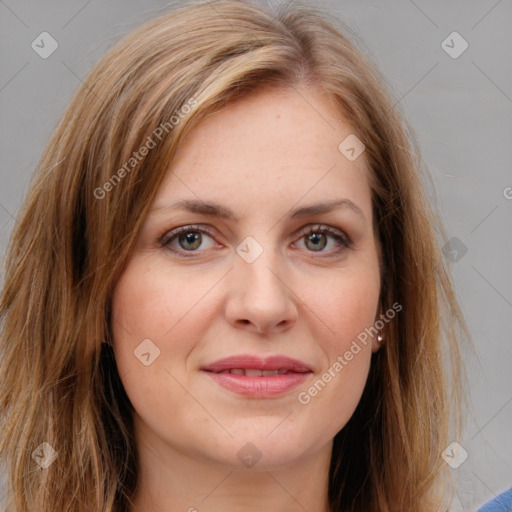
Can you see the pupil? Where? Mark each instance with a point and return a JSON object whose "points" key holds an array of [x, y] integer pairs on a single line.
{"points": [[194, 239], [315, 238]]}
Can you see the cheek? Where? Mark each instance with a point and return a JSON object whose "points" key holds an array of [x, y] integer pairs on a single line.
{"points": [[330, 400], [171, 309], [143, 310], [146, 306], [150, 301], [346, 305]]}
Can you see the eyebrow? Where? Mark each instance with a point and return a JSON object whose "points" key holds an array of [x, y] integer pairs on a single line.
{"points": [[216, 210]]}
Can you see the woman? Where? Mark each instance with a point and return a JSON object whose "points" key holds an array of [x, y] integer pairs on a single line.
{"points": [[225, 289]]}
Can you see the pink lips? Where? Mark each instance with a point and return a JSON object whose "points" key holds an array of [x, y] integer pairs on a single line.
{"points": [[252, 376]]}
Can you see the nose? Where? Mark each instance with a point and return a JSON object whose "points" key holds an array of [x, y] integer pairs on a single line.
{"points": [[260, 299]]}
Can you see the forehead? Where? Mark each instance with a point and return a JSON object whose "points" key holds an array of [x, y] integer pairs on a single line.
{"points": [[276, 146]]}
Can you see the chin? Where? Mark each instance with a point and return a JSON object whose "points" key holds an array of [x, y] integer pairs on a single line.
{"points": [[264, 447]]}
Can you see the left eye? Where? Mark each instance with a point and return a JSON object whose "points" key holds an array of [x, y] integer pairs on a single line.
{"points": [[316, 239]]}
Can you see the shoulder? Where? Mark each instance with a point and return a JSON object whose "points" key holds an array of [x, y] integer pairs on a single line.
{"points": [[502, 503]]}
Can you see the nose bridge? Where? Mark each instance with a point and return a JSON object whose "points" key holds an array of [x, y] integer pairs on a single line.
{"points": [[258, 267], [261, 297]]}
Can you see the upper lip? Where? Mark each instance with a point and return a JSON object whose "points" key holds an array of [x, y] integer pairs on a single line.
{"points": [[246, 361]]}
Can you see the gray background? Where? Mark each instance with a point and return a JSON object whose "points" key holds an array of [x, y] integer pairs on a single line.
{"points": [[461, 110]]}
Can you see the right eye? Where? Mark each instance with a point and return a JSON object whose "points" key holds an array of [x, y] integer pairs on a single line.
{"points": [[187, 239]]}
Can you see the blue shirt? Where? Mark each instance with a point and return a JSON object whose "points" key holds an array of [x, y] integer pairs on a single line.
{"points": [[502, 503]]}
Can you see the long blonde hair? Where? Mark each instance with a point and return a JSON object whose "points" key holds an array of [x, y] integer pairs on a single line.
{"points": [[59, 382]]}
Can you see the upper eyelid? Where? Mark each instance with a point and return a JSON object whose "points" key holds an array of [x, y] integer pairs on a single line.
{"points": [[322, 227]]}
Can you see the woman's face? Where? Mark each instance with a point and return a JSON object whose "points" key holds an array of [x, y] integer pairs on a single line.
{"points": [[261, 272]]}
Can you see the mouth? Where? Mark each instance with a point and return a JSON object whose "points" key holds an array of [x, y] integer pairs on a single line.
{"points": [[254, 372], [252, 376]]}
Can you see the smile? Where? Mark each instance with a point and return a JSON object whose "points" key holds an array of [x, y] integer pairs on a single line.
{"points": [[252, 376]]}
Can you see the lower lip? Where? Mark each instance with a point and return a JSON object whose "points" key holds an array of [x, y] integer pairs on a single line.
{"points": [[259, 387]]}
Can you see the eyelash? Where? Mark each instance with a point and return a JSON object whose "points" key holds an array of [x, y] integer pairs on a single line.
{"points": [[343, 241]]}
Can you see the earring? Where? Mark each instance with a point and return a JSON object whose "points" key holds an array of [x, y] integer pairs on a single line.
{"points": [[380, 339]]}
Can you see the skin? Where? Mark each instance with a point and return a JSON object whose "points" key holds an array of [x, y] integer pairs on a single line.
{"points": [[262, 157]]}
